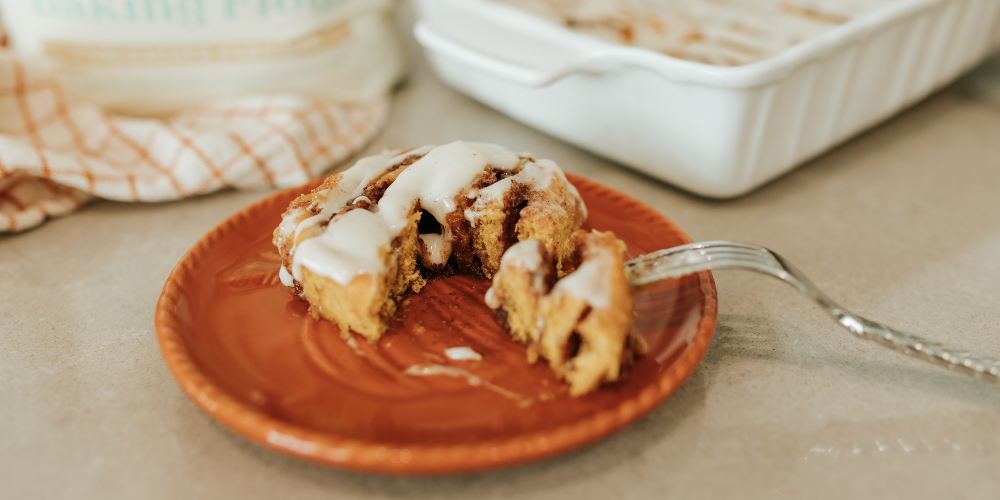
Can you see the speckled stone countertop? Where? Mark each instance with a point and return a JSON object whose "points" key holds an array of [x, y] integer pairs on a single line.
{"points": [[902, 224]]}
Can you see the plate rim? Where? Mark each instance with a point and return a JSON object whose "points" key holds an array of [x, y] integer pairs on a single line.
{"points": [[413, 459]]}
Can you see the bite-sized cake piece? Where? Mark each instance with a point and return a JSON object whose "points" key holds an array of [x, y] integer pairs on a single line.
{"points": [[368, 235], [582, 323]]}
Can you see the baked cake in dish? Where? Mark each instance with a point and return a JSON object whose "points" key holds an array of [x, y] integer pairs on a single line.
{"points": [[719, 32], [582, 323], [367, 236]]}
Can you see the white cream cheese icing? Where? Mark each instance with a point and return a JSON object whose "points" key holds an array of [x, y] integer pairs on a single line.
{"points": [[350, 188], [285, 277], [435, 180], [350, 244], [535, 175], [462, 353], [353, 244], [589, 282], [438, 248]]}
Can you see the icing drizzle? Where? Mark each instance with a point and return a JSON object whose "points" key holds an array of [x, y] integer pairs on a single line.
{"points": [[462, 353], [588, 283], [352, 242]]}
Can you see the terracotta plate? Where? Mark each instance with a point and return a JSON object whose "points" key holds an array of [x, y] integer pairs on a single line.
{"points": [[248, 353]]}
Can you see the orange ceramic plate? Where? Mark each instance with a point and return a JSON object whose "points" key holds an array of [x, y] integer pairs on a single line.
{"points": [[249, 354]]}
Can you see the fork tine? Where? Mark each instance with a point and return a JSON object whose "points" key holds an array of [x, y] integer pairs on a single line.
{"points": [[687, 259], [718, 253], [708, 247]]}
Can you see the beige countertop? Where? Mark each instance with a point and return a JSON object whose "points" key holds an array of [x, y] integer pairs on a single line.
{"points": [[902, 224]]}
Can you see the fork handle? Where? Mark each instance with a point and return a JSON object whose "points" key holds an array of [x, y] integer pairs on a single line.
{"points": [[718, 255], [955, 359]]}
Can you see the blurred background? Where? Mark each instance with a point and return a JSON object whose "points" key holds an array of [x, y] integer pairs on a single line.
{"points": [[862, 145]]}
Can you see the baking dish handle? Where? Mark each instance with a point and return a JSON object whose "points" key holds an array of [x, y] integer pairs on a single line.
{"points": [[521, 72], [443, 45]]}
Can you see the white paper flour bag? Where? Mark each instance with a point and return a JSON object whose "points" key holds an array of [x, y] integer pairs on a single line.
{"points": [[153, 57]]}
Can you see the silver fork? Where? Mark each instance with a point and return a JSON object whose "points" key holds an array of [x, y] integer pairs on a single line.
{"points": [[687, 259]]}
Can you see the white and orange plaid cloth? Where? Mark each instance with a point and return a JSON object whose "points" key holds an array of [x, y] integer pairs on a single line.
{"points": [[57, 154]]}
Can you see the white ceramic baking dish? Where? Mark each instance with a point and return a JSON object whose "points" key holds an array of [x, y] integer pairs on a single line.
{"points": [[717, 131]]}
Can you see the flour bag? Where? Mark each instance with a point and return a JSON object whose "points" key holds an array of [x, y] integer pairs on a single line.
{"points": [[155, 57]]}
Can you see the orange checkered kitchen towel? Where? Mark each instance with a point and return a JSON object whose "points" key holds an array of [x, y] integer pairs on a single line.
{"points": [[57, 154]]}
